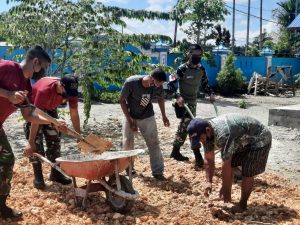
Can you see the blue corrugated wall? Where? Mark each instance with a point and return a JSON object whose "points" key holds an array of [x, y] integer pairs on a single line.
{"points": [[251, 64]]}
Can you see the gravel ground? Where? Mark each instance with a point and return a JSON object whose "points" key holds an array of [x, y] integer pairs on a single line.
{"points": [[179, 200]]}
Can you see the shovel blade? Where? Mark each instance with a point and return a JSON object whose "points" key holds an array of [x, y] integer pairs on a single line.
{"points": [[95, 144]]}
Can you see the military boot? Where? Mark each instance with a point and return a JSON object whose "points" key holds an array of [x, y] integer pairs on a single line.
{"points": [[177, 155], [38, 181], [59, 177], [7, 212]]}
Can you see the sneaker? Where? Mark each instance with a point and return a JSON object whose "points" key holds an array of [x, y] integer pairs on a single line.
{"points": [[159, 177]]}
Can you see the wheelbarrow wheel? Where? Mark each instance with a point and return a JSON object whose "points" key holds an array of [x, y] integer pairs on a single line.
{"points": [[118, 203]]}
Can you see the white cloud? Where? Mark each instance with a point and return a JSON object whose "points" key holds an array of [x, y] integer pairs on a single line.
{"points": [[115, 1], [160, 5], [238, 1], [153, 27], [240, 35]]}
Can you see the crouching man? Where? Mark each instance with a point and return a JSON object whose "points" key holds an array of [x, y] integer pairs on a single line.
{"points": [[243, 141]]}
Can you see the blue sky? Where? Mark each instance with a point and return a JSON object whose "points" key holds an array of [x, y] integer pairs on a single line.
{"points": [[167, 27]]}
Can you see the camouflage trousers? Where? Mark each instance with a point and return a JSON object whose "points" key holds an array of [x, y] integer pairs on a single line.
{"points": [[181, 132], [7, 161], [52, 139]]}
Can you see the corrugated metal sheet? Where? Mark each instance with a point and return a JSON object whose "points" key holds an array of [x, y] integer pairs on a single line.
{"points": [[295, 25]]}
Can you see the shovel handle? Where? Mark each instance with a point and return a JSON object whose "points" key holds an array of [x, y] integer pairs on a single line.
{"points": [[189, 111], [51, 119]]}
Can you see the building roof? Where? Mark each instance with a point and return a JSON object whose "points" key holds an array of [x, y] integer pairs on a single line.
{"points": [[295, 24]]}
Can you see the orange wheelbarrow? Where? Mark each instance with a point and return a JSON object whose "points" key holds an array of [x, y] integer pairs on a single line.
{"points": [[102, 174]]}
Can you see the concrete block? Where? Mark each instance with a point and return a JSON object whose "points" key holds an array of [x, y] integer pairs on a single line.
{"points": [[286, 116]]}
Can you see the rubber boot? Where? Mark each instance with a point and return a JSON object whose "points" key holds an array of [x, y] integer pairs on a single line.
{"points": [[199, 162], [59, 177], [6, 212], [177, 155], [38, 181]]}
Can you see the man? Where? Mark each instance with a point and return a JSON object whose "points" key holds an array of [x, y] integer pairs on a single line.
{"points": [[190, 76], [47, 94], [243, 141], [137, 107], [14, 88]]}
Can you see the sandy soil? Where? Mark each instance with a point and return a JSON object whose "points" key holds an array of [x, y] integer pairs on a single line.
{"points": [[179, 200]]}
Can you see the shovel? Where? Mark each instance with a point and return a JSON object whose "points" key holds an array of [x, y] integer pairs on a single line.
{"points": [[91, 143]]}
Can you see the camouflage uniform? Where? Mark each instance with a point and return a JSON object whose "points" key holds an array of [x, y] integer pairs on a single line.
{"points": [[7, 161], [52, 138], [244, 139], [189, 81], [181, 132]]}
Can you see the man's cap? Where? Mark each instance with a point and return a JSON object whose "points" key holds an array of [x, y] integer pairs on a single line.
{"points": [[70, 83], [195, 128]]}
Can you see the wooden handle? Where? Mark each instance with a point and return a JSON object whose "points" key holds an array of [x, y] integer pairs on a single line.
{"points": [[189, 111], [51, 119]]}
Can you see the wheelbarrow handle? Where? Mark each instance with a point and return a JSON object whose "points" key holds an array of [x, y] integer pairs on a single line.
{"points": [[53, 165]]}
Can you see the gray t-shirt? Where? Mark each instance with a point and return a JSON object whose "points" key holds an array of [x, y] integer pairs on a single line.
{"points": [[236, 133], [139, 98]]}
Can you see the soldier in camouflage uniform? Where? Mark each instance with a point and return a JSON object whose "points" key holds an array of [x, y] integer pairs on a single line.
{"points": [[243, 141], [189, 76], [47, 94], [14, 88]]}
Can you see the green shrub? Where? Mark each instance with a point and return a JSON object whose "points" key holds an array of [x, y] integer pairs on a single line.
{"points": [[108, 96], [242, 104], [230, 79]]}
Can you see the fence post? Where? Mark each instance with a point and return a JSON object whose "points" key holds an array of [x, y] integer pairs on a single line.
{"points": [[269, 63]]}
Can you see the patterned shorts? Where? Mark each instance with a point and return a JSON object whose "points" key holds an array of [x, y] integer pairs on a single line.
{"points": [[252, 162]]}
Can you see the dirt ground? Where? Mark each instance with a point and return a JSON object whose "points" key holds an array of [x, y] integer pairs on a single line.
{"points": [[179, 200]]}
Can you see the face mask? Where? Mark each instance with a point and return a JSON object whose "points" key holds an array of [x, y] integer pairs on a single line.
{"points": [[39, 75], [195, 59]]}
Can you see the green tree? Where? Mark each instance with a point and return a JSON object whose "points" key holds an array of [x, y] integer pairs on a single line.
{"points": [[229, 79], [222, 36], [80, 35], [202, 14], [265, 38], [253, 51], [285, 14]]}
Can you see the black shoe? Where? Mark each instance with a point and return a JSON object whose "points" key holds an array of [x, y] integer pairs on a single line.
{"points": [[6, 212], [178, 156], [38, 181], [175, 154], [58, 177], [9, 213], [159, 177]]}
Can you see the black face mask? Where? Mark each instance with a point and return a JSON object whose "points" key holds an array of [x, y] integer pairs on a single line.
{"points": [[39, 75], [195, 59]]}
